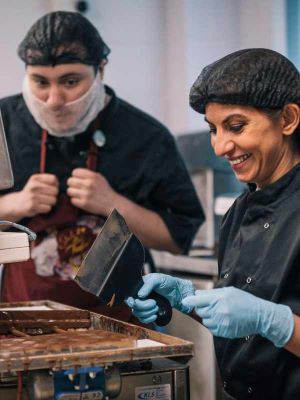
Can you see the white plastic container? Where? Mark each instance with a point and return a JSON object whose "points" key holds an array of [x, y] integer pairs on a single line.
{"points": [[14, 247]]}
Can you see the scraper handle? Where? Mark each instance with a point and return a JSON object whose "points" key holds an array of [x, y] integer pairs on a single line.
{"points": [[164, 314]]}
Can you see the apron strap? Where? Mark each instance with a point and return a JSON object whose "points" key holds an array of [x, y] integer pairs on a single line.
{"points": [[43, 151], [91, 161], [92, 156]]}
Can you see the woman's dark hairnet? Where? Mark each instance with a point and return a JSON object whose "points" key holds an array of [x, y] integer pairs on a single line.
{"points": [[259, 78], [62, 37]]}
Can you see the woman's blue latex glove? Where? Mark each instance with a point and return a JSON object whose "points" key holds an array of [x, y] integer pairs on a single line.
{"points": [[174, 289], [233, 313]]}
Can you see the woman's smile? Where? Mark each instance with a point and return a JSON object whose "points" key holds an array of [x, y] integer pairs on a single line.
{"points": [[238, 162], [255, 146]]}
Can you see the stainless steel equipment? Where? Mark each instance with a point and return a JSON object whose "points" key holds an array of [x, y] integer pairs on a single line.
{"points": [[166, 380], [202, 366], [159, 379], [212, 177], [130, 363], [6, 175], [13, 246], [202, 272]]}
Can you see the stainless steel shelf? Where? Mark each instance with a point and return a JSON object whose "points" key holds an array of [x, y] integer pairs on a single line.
{"points": [[185, 264]]}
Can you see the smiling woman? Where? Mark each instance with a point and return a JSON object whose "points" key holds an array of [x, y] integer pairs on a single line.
{"points": [[258, 147], [251, 101]]}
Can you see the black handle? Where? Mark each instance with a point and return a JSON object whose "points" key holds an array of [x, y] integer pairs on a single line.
{"points": [[164, 314]]}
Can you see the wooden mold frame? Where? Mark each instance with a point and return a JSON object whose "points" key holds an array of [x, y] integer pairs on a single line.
{"points": [[148, 344]]}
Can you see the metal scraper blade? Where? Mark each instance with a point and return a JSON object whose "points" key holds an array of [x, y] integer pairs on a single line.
{"points": [[112, 267]]}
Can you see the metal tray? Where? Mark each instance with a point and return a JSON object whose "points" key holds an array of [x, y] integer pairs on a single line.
{"points": [[147, 345]]}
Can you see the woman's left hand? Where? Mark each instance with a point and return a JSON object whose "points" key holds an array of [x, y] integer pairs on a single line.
{"points": [[233, 313]]}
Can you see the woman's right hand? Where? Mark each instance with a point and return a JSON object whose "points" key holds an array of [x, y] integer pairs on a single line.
{"points": [[173, 289]]}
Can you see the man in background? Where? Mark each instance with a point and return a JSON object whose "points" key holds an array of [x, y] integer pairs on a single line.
{"points": [[78, 152]]}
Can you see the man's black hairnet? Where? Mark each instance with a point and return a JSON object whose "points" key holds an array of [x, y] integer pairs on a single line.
{"points": [[62, 37], [259, 78]]}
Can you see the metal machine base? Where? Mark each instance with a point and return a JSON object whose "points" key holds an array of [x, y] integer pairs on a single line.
{"points": [[160, 379]]}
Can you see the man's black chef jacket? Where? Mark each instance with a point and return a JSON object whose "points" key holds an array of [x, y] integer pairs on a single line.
{"points": [[260, 253], [140, 161]]}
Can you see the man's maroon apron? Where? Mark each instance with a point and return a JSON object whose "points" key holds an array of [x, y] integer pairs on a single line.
{"points": [[70, 240]]}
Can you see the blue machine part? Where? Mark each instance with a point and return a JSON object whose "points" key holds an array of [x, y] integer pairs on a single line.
{"points": [[79, 384]]}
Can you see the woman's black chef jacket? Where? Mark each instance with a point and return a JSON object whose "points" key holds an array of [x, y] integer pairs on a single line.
{"points": [[260, 253], [140, 161]]}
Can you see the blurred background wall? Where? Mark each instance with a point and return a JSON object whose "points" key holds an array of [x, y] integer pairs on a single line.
{"points": [[158, 46]]}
